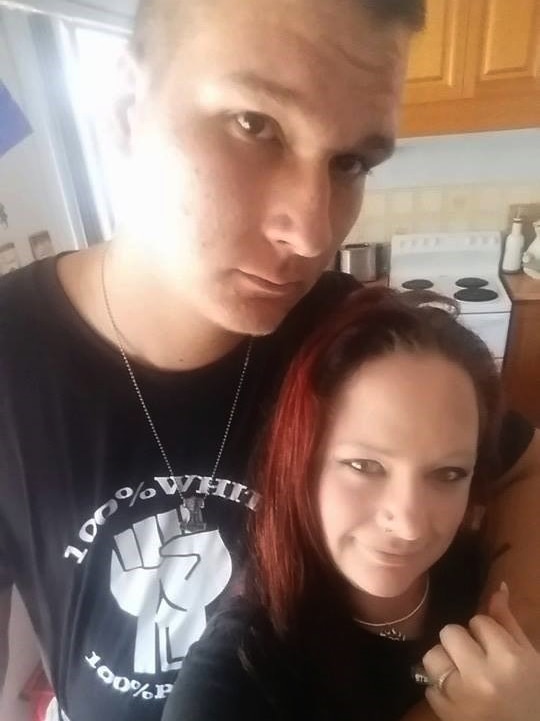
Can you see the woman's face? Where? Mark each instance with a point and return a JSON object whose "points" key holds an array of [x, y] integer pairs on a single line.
{"points": [[397, 461]]}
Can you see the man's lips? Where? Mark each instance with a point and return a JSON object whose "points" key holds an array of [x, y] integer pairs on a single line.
{"points": [[272, 285]]}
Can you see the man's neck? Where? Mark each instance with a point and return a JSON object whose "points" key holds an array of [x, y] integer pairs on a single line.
{"points": [[156, 328]]}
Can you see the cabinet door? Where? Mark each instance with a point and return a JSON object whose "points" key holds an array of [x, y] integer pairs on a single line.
{"points": [[521, 373], [504, 49], [477, 67], [437, 62]]}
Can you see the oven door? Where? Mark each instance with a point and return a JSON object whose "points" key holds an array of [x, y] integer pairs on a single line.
{"points": [[492, 329]]}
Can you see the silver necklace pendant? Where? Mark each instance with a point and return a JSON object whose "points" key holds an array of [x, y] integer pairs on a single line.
{"points": [[191, 514], [191, 509], [389, 627], [393, 634]]}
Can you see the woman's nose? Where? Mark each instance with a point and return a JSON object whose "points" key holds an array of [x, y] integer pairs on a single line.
{"points": [[404, 510]]}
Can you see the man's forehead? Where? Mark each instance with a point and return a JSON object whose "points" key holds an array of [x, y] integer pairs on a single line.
{"points": [[317, 19], [164, 27], [299, 51]]}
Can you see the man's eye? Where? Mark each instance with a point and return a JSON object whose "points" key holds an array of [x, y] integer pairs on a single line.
{"points": [[451, 475], [351, 165], [367, 466], [256, 125]]}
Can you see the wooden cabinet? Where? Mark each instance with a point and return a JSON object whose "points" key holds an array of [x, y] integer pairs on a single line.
{"points": [[521, 370], [437, 61], [475, 67]]}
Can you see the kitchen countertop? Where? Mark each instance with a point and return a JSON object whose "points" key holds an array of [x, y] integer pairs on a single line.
{"points": [[521, 287]]}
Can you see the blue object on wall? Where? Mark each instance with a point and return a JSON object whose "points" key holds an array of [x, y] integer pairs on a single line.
{"points": [[14, 125]]}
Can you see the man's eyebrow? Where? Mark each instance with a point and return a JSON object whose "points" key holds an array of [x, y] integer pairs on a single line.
{"points": [[277, 91], [382, 146]]}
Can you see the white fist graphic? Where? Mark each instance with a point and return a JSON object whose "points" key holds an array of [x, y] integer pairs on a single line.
{"points": [[165, 578]]}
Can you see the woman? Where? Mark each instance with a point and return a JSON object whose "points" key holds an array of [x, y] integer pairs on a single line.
{"points": [[376, 461]]}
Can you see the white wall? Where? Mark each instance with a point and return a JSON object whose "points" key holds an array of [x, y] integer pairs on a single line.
{"points": [[116, 13], [30, 175], [450, 183], [24, 657], [510, 156], [125, 8]]}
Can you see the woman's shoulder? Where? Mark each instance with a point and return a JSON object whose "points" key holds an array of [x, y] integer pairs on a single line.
{"points": [[215, 680], [233, 621], [226, 635]]}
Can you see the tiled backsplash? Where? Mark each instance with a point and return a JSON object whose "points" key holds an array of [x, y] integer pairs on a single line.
{"points": [[434, 209]]}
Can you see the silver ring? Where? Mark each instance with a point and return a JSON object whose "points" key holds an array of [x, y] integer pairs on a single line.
{"points": [[443, 678]]}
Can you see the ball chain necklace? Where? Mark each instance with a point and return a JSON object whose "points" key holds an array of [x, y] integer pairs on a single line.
{"points": [[390, 631], [192, 517]]}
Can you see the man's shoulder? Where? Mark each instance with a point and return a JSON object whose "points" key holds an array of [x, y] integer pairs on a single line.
{"points": [[515, 437], [27, 307], [11, 286], [330, 290], [21, 292]]}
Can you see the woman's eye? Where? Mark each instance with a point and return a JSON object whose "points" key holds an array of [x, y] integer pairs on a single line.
{"points": [[256, 125], [451, 475], [367, 466], [351, 165]]}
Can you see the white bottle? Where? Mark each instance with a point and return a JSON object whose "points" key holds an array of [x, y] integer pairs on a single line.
{"points": [[532, 254], [531, 257], [513, 248]]}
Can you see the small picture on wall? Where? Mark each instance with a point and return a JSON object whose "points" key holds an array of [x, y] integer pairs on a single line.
{"points": [[14, 125], [4, 220], [41, 245], [9, 260]]}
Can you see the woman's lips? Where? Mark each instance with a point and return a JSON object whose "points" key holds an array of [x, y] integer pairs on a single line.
{"points": [[391, 559]]}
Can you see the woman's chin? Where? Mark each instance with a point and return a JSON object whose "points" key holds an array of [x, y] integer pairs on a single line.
{"points": [[383, 584]]}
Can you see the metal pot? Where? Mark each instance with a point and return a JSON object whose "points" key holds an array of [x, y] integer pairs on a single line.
{"points": [[360, 260]]}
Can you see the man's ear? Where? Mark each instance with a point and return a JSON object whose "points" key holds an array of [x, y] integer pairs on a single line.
{"points": [[122, 115]]}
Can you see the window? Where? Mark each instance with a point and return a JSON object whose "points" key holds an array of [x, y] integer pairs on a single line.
{"points": [[89, 57]]}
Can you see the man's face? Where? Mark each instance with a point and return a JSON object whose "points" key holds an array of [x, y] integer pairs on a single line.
{"points": [[249, 160]]}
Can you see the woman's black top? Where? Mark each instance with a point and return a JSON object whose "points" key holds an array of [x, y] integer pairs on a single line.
{"points": [[331, 669]]}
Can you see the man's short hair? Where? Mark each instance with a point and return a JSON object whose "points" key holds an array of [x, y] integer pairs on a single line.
{"points": [[158, 21], [411, 13]]}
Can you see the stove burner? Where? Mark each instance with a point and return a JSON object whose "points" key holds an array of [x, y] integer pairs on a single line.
{"points": [[417, 284], [476, 295], [471, 282]]}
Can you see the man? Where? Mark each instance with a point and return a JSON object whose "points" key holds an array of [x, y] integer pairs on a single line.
{"points": [[134, 379]]}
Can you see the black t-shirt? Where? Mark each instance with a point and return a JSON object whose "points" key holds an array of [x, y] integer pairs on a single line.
{"points": [[90, 527], [332, 669]]}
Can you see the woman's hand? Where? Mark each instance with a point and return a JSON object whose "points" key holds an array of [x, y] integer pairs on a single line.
{"points": [[490, 672]]}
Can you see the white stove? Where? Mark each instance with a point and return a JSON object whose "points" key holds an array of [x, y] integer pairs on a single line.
{"points": [[462, 266]]}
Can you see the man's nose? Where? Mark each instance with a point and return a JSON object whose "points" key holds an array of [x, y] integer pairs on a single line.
{"points": [[300, 209]]}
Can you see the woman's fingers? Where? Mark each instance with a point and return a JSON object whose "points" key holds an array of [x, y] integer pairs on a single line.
{"points": [[499, 610], [436, 662], [463, 650], [499, 633], [443, 674], [489, 672]]}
